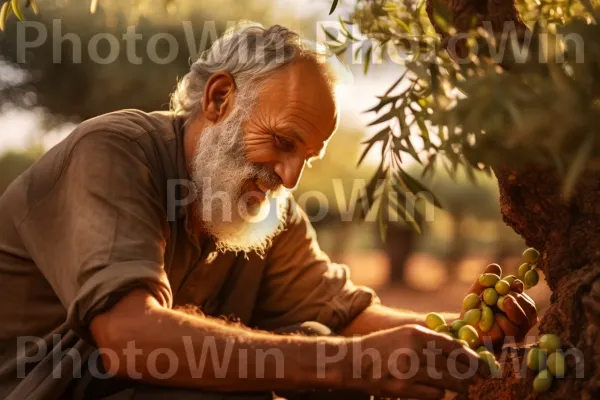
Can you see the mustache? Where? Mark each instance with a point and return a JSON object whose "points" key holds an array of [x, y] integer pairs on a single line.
{"points": [[267, 176]]}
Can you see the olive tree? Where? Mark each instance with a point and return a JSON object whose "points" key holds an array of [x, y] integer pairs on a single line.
{"points": [[511, 89]]}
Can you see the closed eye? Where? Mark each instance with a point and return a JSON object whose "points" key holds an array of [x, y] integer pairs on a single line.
{"points": [[284, 143]]}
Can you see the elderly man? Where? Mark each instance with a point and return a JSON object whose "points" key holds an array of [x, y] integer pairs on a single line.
{"points": [[122, 246]]}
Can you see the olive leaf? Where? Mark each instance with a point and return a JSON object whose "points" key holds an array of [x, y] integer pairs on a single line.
{"points": [[330, 35], [416, 187], [345, 29], [367, 60], [333, 6], [367, 196], [400, 201], [379, 136]]}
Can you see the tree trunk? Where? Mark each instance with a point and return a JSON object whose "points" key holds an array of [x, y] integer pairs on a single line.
{"points": [[399, 245], [567, 233]]}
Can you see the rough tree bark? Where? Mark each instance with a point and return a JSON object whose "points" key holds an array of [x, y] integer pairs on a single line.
{"points": [[567, 233]]}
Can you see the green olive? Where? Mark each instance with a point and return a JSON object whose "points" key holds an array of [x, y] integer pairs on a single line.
{"points": [[550, 343], [463, 342], [531, 278], [433, 320], [487, 319], [488, 280], [556, 364], [495, 370], [531, 255], [487, 356], [543, 381], [523, 270], [469, 335], [502, 287], [470, 301], [490, 296], [510, 279], [536, 359], [481, 348], [490, 360], [472, 317], [456, 325], [500, 303], [442, 328]]}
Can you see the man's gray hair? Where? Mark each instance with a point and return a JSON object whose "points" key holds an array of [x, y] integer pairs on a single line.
{"points": [[249, 52]]}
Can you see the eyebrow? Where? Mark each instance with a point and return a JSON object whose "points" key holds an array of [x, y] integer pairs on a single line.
{"points": [[313, 155], [297, 137]]}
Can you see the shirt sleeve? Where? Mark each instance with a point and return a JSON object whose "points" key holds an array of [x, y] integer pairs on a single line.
{"points": [[100, 230], [301, 283]]}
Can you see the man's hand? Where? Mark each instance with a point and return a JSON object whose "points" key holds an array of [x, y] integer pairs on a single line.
{"points": [[412, 361], [519, 316]]}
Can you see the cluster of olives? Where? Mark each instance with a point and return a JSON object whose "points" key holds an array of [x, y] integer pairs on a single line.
{"points": [[479, 309], [466, 335], [528, 271], [548, 359]]}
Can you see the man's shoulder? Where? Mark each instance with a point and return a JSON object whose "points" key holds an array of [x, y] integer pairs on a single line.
{"points": [[130, 124], [120, 138], [151, 137]]}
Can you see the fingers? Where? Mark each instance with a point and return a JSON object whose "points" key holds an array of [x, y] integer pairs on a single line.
{"points": [[493, 269], [448, 345], [450, 348], [515, 312], [521, 315], [495, 334], [517, 286], [529, 307], [528, 298], [507, 327], [458, 353]]}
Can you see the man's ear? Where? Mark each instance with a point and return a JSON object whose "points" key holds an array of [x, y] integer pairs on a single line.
{"points": [[219, 96]]}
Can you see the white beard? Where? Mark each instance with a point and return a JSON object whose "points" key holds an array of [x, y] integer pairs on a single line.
{"points": [[219, 171]]}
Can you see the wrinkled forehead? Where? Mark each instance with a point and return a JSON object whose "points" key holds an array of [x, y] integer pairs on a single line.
{"points": [[302, 93]]}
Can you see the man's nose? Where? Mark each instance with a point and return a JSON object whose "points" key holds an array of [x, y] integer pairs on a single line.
{"points": [[290, 171]]}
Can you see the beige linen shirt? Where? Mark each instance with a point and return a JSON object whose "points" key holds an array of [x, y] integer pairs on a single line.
{"points": [[90, 221]]}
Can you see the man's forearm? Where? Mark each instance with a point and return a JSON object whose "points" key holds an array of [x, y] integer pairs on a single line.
{"points": [[378, 317], [176, 349]]}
